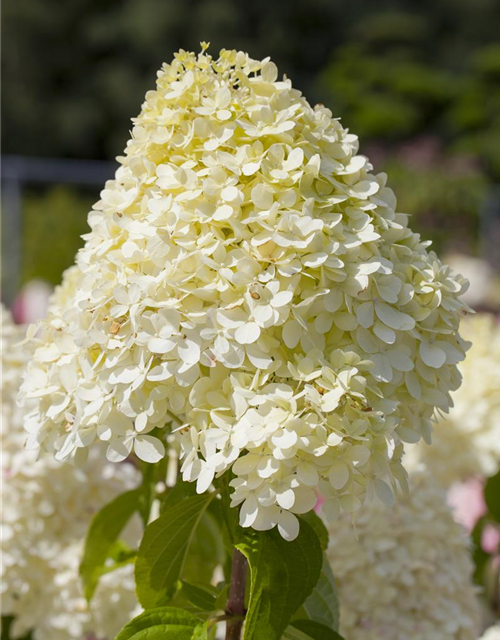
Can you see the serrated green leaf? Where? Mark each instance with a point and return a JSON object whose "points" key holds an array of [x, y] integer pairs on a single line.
{"points": [[201, 596], [323, 603], [163, 550], [162, 623], [492, 496], [282, 575], [315, 630], [105, 527]]}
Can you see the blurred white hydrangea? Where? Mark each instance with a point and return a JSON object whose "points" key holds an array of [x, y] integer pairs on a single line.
{"points": [[466, 442], [493, 633], [248, 283], [46, 510], [405, 572]]}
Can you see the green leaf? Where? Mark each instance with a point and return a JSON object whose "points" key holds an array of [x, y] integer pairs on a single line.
{"points": [[492, 496], [179, 492], [162, 623], [315, 630], [282, 575], [206, 550], [201, 596], [479, 556], [323, 603], [319, 527], [102, 536], [7, 622], [163, 550], [294, 634]]}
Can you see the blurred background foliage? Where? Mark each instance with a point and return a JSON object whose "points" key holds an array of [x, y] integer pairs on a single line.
{"points": [[418, 81]]}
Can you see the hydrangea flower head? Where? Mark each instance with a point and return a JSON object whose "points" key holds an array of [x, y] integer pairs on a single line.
{"points": [[405, 572], [466, 443], [248, 283]]}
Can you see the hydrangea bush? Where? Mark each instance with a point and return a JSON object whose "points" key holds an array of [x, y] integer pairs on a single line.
{"points": [[249, 296], [46, 509]]}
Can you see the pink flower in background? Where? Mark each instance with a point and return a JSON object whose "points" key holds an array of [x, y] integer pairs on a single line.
{"points": [[32, 302], [490, 540], [467, 502]]}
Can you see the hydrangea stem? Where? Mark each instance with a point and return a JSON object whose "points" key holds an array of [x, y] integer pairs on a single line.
{"points": [[236, 602]]}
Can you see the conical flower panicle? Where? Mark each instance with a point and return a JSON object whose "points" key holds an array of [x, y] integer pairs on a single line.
{"points": [[248, 283]]}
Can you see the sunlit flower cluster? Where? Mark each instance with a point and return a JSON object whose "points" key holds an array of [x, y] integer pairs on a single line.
{"points": [[405, 572], [466, 442], [248, 283], [46, 510]]}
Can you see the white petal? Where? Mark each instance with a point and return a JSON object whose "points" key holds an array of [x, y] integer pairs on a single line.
{"points": [[383, 332], [163, 371], [286, 498], [384, 492], [432, 355], [349, 503], [413, 385], [400, 360], [365, 315], [305, 500], [189, 352], [307, 474], [281, 299], [394, 318], [285, 439], [249, 511], [141, 422], [160, 345], [292, 332], [262, 196], [204, 479], [149, 448], [247, 333], [288, 526], [382, 370], [118, 450], [338, 474]]}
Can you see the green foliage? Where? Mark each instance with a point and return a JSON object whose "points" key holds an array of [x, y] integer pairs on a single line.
{"points": [[163, 623], [206, 550], [202, 597], [53, 222], [315, 630], [319, 528], [102, 536], [492, 496], [323, 604], [164, 548], [443, 197], [282, 575], [7, 622]]}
